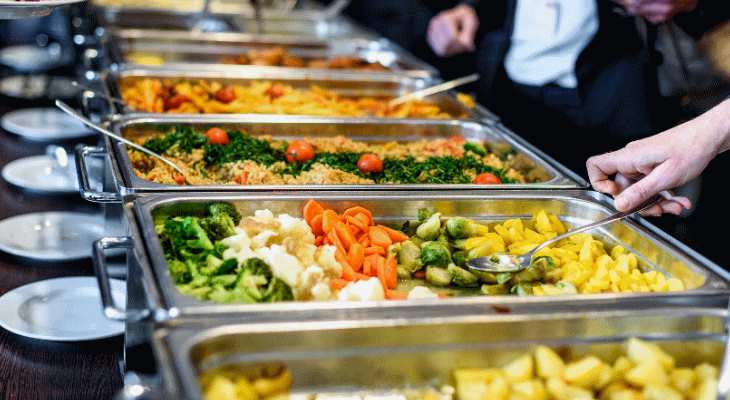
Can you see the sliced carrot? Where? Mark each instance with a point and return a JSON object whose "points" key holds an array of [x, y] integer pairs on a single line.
{"points": [[379, 237], [357, 222], [344, 234], [367, 267], [395, 235], [364, 218], [316, 224], [319, 240], [338, 284], [374, 250], [391, 271], [311, 209], [347, 273], [420, 274], [332, 236], [329, 219], [356, 256], [364, 240], [361, 277], [381, 272], [395, 294], [353, 229], [354, 211]]}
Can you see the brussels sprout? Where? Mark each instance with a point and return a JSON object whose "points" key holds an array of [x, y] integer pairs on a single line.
{"points": [[409, 257], [530, 274], [493, 290], [417, 241], [459, 258], [503, 277], [462, 277], [459, 244], [460, 228], [443, 239], [429, 230], [409, 227], [403, 273], [438, 276], [424, 214], [435, 254], [394, 249], [522, 289], [485, 277]]}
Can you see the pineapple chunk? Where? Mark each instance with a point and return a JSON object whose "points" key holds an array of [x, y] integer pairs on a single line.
{"points": [[641, 351], [621, 366], [683, 379], [605, 377], [559, 390], [245, 390], [548, 363], [220, 388], [473, 384], [661, 392], [647, 372], [584, 372], [519, 370], [625, 394], [706, 390], [527, 390], [706, 371]]}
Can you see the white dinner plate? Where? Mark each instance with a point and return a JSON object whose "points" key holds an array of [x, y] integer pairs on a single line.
{"points": [[51, 236], [43, 124], [31, 58], [37, 174], [61, 309]]}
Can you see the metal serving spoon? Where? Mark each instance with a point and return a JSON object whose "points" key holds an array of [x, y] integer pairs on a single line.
{"points": [[431, 90], [70, 111], [500, 262]]}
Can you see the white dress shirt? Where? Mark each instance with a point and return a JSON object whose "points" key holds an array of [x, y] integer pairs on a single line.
{"points": [[548, 37]]}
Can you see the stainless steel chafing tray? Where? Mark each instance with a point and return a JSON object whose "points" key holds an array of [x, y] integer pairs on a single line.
{"points": [[343, 83], [132, 47], [554, 175], [707, 283], [379, 356]]}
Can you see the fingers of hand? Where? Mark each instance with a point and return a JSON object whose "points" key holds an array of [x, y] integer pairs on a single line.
{"points": [[659, 179], [655, 211]]}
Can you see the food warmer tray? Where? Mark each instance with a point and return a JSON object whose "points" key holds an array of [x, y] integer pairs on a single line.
{"points": [[344, 83], [179, 48], [348, 357], [377, 130], [707, 283]]}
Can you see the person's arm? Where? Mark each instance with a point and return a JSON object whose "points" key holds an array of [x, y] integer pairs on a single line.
{"points": [[668, 160], [453, 31], [657, 11]]}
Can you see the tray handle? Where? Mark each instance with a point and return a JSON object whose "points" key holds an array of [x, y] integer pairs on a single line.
{"points": [[82, 152], [109, 306]]}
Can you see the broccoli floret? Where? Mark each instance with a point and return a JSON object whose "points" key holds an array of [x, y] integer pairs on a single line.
{"points": [[179, 271], [460, 228], [462, 277], [221, 221], [437, 276], [216, 266], [256, 280], [185, 238], [227, 280], [409, 257], [475, 148], [435, 254], [278, 291], [430, 229]]}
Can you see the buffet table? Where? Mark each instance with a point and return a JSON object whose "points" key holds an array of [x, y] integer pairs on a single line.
{"points": [[34, 369]]}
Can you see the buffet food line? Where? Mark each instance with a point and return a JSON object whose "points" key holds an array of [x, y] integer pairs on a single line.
{"points": [[316, 241]]}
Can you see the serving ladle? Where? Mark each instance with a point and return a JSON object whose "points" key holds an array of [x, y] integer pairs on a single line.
{"points": [[501, 262], [70, 111]]}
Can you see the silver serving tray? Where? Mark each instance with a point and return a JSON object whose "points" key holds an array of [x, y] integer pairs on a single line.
{"points": [[343, 83], [346, 357], [708, 284], [180, 48], [129, 184]]}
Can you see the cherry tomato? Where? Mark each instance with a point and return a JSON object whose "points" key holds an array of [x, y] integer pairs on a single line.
{"points": [[370, 163], [242, 179], [299, 151], [176, 101], [486, 178], [275, 91], [179, 179], [225, 95], [217, 136]]}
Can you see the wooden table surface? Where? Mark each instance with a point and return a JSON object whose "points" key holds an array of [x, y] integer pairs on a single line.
{"points": [[34, 369]]}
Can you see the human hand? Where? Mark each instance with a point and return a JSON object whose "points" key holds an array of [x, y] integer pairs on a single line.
{"points": [[657, 11], [670, 159], [452, 31]]}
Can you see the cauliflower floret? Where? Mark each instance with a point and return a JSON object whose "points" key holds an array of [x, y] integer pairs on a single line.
{"points": [[295, 228], [305, 253], [422, 292], [262, 239], [310, 277], [283, 265], [238, 241], [263, 216], [365, 290], [325, 257], [241, 255], [321, 291]]}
